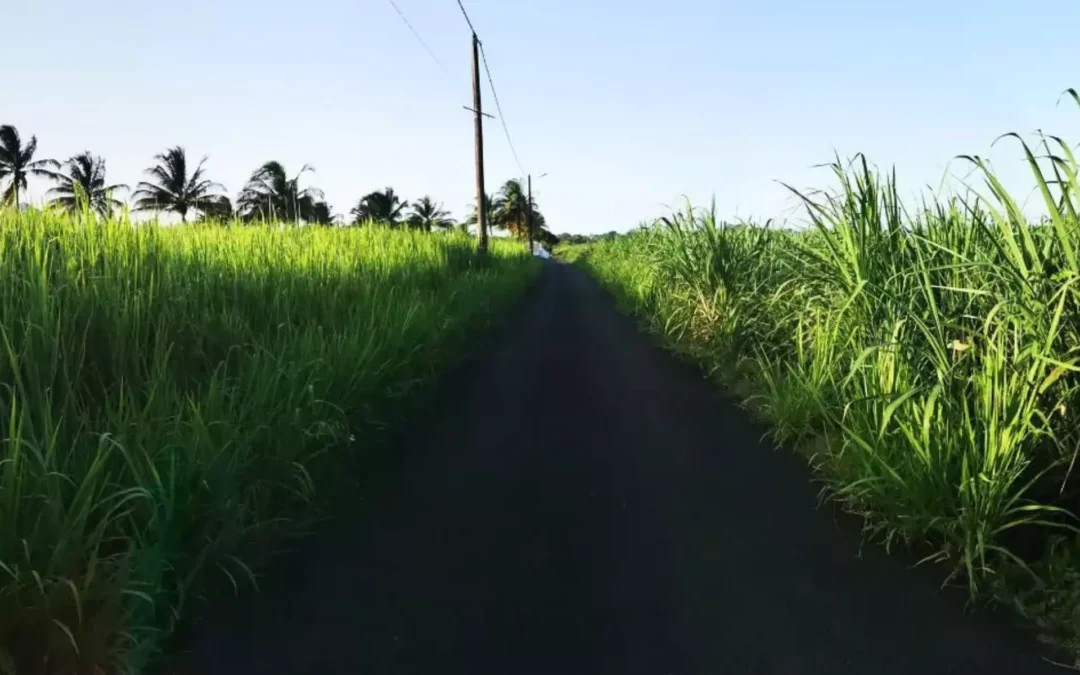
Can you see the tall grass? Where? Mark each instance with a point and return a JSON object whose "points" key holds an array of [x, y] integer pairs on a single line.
{"points": [[926, 357], [176, 401]]}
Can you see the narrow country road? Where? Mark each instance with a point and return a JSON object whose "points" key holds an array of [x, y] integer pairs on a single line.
{"points": [[584, 504]]}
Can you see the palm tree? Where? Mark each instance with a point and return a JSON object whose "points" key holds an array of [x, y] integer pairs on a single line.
{"points": [[322, 214], [539, 221], [512, 209], [17, 162], [84, 183], [384, 207], [217, 209], [174, 189], [426, 214], [271, 195], [470, 219]]}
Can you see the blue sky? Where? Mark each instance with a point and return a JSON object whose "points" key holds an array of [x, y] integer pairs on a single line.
{"points": [[626, 105]]}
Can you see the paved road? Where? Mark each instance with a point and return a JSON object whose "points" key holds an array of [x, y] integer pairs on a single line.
{"points": [[639, 527]]}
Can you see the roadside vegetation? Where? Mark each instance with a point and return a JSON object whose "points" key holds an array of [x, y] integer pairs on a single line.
{"points": [[177, 403], [925, 357]]}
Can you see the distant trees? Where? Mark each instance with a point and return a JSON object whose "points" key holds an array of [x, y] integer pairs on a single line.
{"points": [[427, 215], [271, 195], [509, 209], [567, 238], [175, 185], [17, 162], [174, 188], [382, 206], [84, 184]]}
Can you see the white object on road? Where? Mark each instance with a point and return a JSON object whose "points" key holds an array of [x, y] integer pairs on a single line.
{"points": [[542, 252]]}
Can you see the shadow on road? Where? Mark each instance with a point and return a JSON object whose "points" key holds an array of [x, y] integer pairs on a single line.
{"points": [[581, 503]]}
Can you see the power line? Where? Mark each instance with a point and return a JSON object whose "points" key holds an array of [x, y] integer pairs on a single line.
{"points": [[498, 107], [417, 35], [466, 17]]}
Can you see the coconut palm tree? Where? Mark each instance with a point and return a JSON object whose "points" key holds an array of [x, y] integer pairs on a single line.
{"points": [[17, 162], [174, 189], [271, 195], [322, 214], [491, 204], [539, 225], [512, 209], [216, 209], [426, 214], [384, 207], [84, 184]]}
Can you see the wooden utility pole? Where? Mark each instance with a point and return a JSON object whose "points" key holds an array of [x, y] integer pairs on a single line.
{"points": [[531, 250], [481, 196]]}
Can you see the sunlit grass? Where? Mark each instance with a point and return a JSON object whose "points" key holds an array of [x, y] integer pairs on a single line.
{"points": [[173, 400], [926, 355]]}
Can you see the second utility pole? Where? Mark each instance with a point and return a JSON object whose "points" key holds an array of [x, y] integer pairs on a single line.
{"points": [[481, 197], [531, 250]]}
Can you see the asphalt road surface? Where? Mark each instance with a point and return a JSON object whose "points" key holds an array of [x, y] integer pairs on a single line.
{"points": [[580, 502]]}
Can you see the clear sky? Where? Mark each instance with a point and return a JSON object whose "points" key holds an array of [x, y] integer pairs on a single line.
{"points": [[627, 105]]}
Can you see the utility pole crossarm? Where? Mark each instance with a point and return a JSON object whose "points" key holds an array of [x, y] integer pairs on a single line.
{"points": [[477, 112]]}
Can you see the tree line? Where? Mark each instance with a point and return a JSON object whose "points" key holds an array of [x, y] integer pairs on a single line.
{"points": [[175, 185], [567, 238]]}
